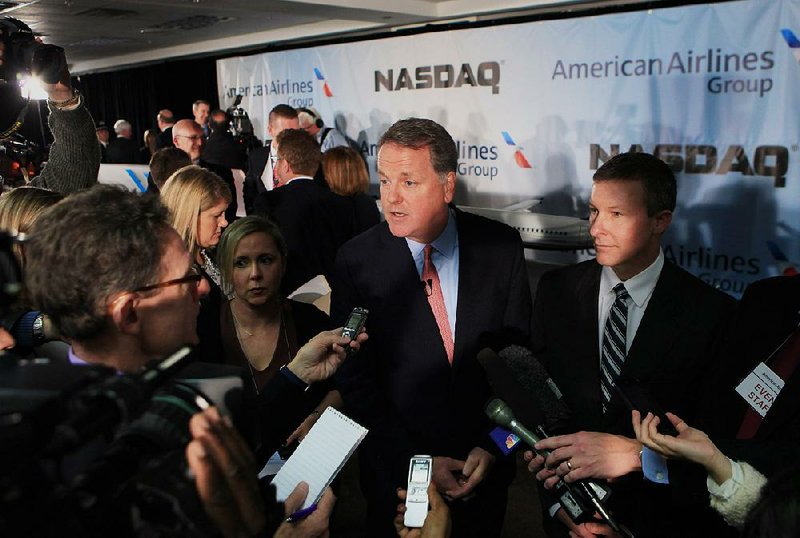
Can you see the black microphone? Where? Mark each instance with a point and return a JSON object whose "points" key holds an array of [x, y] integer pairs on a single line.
{"points": [[534, 379]]}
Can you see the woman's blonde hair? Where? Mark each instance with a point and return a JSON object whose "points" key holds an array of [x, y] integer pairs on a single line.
{"points": [[345, 171], [187, 192], [20, 207], [226, 250]]}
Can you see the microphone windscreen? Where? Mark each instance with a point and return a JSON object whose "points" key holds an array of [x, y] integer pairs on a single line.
{"points": [[505, 386], [534, 379]]}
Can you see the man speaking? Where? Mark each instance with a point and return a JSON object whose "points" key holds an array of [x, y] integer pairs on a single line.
{"points": [[434, 280]]}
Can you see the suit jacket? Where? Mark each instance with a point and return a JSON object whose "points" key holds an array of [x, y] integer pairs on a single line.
{"points": [[123, 151], [314, 221], [227, 176], [401, 385], [253, 186], [768, 313], [222, 149], [672, 354], [164, 139]]}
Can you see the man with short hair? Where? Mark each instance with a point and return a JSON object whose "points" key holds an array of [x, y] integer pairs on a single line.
{"points": [[326, 137], [188, 136], [126, 292], [314, 220], [200, 110], [123, 149], [102, 137], [434, 280], [165, 120], [627, 314], [163, 164], [260, 176]]}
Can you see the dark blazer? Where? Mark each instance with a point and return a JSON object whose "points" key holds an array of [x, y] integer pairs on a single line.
{"points": [[400, 385], [222, 149], [672, 355], [123, 151], [227, 176], [768, 312], [314, 221], [253, 186], [164, 139]]}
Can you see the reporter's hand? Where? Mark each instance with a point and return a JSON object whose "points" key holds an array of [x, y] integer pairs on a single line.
{"points": [[585, 530], [225, 475], [302, 430], [316, 524], [588, 455], [437, 523], [321, 356], [690, 443]]}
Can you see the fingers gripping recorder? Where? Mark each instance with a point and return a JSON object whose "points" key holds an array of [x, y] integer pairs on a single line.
{"points": [[580, 499], [420, 470]]}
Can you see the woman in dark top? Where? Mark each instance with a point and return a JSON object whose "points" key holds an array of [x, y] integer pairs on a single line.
{"points": [[261, 331], [197, 199], [346, 173]]}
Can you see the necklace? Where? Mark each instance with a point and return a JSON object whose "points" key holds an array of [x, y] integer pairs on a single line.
{"points": [[239, 329]]}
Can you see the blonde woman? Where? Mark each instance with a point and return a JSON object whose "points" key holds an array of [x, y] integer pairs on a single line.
{"points": [[20, 207], [197, 199]]}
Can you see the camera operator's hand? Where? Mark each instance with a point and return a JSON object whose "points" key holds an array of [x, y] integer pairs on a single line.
{"points": [[225, 474], [322, 355]]}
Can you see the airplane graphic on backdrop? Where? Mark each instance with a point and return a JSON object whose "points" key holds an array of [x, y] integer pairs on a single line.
{"points": [[793, 42]]}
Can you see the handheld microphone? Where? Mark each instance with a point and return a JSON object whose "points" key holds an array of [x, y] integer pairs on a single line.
{"points": [[579, 499]]}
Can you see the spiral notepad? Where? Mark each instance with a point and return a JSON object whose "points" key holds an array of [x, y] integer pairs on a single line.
{"points": [[321, 455]]}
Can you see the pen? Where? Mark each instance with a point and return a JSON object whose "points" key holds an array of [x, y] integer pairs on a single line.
{"points": [[301, 514]]}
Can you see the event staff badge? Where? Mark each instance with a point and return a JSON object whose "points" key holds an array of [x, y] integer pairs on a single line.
{"points": [[760, 388]]}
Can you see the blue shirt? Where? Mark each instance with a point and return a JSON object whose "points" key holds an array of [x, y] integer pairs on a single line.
{"points": [[445, 258]]}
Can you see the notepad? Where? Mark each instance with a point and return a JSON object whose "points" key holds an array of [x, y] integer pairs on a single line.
{"points": [[320, 457]]}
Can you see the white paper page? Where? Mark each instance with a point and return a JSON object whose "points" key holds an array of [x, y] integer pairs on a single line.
{"points": [[320, 456]]}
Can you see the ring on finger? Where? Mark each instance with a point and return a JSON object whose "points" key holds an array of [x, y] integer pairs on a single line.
{"points": [[569, 465]]}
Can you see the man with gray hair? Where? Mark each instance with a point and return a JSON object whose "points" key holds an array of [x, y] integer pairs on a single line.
{"points": [[123, 149], [434, 280]]}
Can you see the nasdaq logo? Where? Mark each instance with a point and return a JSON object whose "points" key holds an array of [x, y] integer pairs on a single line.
{"points": [[767, 161], [486, 74]]}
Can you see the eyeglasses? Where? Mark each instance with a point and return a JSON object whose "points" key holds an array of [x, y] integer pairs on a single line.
{"points": [[193, 276], [193, 137]]}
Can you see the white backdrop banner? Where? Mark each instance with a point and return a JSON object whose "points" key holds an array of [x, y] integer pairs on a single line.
{"points": [[536, 108]]}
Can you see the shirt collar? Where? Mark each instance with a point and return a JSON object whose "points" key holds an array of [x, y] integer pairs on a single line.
{"points": [[639, 287], [445, 244]]}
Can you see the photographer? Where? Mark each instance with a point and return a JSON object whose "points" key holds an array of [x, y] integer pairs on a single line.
{"points": [[74, 159]]}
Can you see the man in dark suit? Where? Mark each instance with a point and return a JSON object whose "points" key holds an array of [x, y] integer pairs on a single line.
{"points": [[123, 149], [220, 148], [261, 162], [165, 120], [188, 137], [419, 388], [665, 323], [314, 221]]}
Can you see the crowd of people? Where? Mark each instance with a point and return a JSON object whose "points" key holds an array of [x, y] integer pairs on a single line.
{"points": [[124, 278]]}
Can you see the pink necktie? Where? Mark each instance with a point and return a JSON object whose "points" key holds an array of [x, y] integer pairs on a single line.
{"points": [[433, 289]]}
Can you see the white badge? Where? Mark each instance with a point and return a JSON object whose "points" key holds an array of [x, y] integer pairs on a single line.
{"points": [[760, 388]]}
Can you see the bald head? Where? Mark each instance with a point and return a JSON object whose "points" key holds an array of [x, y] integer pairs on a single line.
{"points": [[187, 135]]}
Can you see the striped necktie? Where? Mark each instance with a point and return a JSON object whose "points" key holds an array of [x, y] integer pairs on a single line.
{"points": [[614, 336]]}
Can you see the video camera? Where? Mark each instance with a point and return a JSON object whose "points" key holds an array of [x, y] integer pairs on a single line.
{"points": [[23, 56], [240, 125]]}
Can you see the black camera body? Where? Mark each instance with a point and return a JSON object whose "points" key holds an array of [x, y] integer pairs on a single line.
{"points": [[23, 55]]}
